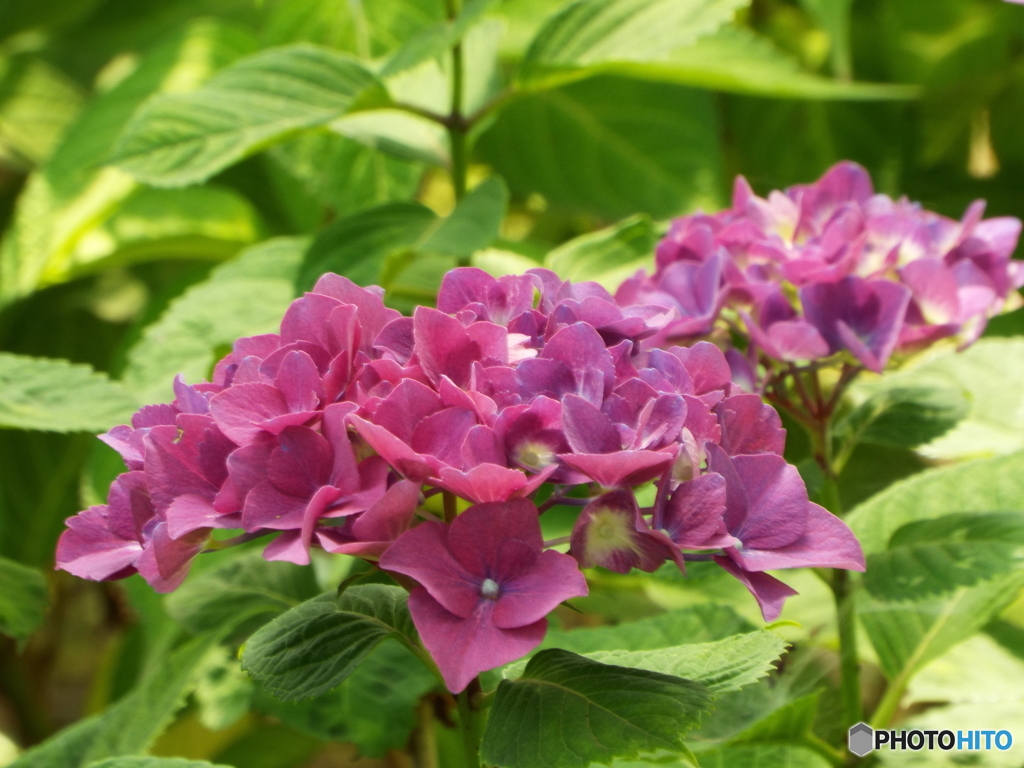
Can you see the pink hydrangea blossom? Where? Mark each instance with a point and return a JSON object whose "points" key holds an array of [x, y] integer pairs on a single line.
{"points": [[332, 434], [832, 267]]}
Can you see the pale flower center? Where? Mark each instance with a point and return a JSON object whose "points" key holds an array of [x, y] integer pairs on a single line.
{"points": [[490, 589]]}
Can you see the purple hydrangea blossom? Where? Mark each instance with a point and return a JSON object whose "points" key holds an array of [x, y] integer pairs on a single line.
{"points": [[832, 267], [331, 434]]}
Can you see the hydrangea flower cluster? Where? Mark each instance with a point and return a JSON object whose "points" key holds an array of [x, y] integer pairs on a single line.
{"points": [[514, 395], [830, 267]]}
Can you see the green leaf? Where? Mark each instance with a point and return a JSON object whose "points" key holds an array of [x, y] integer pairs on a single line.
{"points": [[358, 246], [991, 372], [37, 104], [834, 17], [591, 32], [22, 599], [374, 708], [58, 396], [931, 557], [763, 756], [223, 692], [611, 146], [71, 196], [316, 645], [607, 256], [723, 665], [244, 590], [132, 724], [698, 624], [737, 60], [153, 762], [344, 175], [430, 42], [474, 224], [203, 223], [906, 637], [792, 722], [243, 297], [65, 749], [902, 415], [974, 487], [181, 139], [568, 711], [400, 134]]}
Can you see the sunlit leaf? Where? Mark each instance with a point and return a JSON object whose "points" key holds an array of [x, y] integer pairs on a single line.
{"points": [[932, 557], [609, 255], [54, 395], [72, 195], [589, 32], [723, 665], [181, 139], [37, 104], [244, 297], [611, 146]]}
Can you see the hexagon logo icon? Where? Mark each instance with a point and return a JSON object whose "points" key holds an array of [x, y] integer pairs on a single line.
{"points": [[861, 739]]}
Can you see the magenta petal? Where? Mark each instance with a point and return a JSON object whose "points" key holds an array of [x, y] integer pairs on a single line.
{"points": [[530, 597], [389, 517], [480, 538], [465, 647], [612, 470], [769, 592], [706, 365], [750, 426], [165, 562], [827, 543], [89, 550], [483, 483], [587, 429], [395, 452], [301, 463], [239, 410], [267, 507], [288, 547], [422, 554], [189, 513], [299, 382], [442, 435], [443, 346], [407, 405], [693, 515]]}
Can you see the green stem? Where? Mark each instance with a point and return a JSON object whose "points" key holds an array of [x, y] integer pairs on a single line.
{"points": [[842, 585], [456, 122], [849, 662], [457, 127], [451, 509], [470, 723], [426, 736]]}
